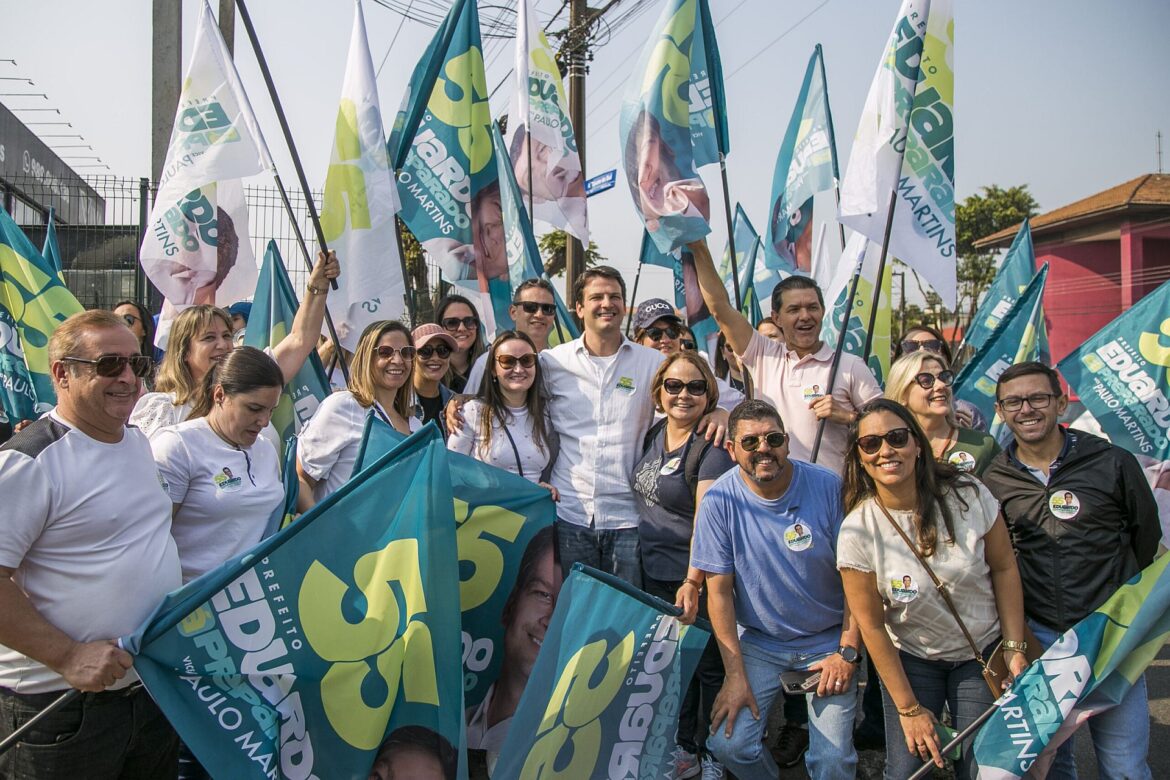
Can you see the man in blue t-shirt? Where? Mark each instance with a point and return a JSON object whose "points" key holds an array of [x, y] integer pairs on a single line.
{"points": [[766, 536]]}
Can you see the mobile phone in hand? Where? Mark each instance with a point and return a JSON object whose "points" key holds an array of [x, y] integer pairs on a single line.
{"points": [[800, 681]]}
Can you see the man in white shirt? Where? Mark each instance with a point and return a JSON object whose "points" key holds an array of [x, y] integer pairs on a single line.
{"points": [[86, 555], [793, 375]]}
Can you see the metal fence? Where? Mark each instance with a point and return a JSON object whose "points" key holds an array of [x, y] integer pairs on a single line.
{"points": [[101, 260]]}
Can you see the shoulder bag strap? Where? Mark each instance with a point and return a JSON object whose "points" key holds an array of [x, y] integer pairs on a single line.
{"points": [[515, 449], [938, 584]]}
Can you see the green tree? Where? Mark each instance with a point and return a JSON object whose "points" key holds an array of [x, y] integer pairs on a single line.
{"points": [[552, 251]]}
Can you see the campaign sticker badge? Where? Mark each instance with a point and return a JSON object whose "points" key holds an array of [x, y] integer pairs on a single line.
{"points": [[798, 537], [811, 393], [670, 466], [227, 482], [962, 460], [904, 590], [626, 383], [1064, 505]]}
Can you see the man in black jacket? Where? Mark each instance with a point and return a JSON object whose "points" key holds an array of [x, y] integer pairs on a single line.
{"points": [[1083, 520]]}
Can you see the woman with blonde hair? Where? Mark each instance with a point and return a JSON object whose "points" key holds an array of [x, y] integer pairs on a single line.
{"points": [[202, 335], [922, 382], [379, 383]]}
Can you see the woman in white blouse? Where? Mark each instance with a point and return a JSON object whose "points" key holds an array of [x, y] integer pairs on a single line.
{"points": [[506, 424], [379, 383]]}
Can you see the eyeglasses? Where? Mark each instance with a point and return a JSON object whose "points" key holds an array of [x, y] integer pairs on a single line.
{"points": [[389, 352], [1013, 403], [687, 345], [926, 379], [452, 323], [113, 365], [508, 362], [775, 440], [930, 345], [896, 438], [530, 307], [442, 350], [130, 319], [657, 333], [694, 387]]}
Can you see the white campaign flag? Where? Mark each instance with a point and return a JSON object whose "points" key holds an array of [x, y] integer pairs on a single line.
{"points": [[540, 136], [197, 237], [904, 147], [360, 201]]}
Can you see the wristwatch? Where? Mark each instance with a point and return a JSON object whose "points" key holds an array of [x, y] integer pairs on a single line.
{"points": [[850, 654]]}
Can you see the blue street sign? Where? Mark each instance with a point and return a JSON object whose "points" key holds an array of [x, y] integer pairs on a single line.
{"points": [[600, 183]]}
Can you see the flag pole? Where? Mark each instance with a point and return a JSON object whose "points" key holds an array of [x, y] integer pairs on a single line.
{"points": [[881, 270], [634, 293], [730, 231], [13, 739], [312, 208]]}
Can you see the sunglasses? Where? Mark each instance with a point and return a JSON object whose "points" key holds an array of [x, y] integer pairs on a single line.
{"points": [[657, 333], [694, 387], [775, 441], [1013, 403], [529, 307], [930, 345], [114, 365], [452, 323], [442, 350], [508, 362], [926, 379], [687, 345], [407, 353], [896, 438], [130, 319]]}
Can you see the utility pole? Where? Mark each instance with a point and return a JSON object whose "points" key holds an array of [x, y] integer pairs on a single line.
{"points": [[227, 24], [575, 47], [1158, 148]]}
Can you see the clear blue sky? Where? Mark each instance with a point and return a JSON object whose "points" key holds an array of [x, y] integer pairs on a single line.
{"points": [[1062, 95]]}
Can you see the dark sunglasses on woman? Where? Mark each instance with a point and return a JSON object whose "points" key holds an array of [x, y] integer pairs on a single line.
{"points": [[694, 387], [452, 323], [113, 365], [508, 362], [896, 438], [657, 333], [531, 307], [442, 350], [930, 345], [926, 379]]}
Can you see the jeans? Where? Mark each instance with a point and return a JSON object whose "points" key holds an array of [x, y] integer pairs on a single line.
{"points": [[694, 717], [114, 734], [1121, 735], [957, 684], [612, 550], [830, 749]]}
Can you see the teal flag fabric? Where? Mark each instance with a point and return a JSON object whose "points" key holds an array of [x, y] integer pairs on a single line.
{"points": [[329, 647], [604, 695], [273, 308], [18, 397], [1017, 269]]}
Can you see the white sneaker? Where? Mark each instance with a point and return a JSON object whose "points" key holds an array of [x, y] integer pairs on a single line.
{"points": [[712, 769], [684, 763]]}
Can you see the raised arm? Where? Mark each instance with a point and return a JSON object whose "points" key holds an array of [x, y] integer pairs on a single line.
{"points": [[292, 352], [730, 320]]}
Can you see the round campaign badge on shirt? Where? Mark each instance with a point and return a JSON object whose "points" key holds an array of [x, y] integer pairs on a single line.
{"points": [[798, 537], [962, 460], [227, 482], [1064, 504], [670, 466], [904, 590]]}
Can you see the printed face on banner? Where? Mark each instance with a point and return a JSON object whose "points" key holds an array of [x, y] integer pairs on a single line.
{"points": [[200, 245], [659, 186]]}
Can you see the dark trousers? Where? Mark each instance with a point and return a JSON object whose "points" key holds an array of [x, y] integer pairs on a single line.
{"points": [[113, 734], [694, 716]]}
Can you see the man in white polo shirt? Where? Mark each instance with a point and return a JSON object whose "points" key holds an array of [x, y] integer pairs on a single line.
{"points": [[794, 375], [86, 555]]}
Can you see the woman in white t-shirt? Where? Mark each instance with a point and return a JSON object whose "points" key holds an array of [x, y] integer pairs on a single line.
{"points": [[920, 652], [200, 337], [379, 381], [224, 486], [506, 425]]}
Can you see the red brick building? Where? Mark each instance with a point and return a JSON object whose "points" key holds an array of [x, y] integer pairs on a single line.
{"points": [[1104, 253]]}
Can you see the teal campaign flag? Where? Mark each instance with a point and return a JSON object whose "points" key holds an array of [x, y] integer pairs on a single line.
{"points": [[36, 300], [446, 167], [1015, 340], [501, 521], [330, 646], [18, 398], [673, 119], [273, 308], [604, 696], [747, 255], [1017, 269], [51, 249], [806, 165], [1120, 376], [1086, 671], [520, 243]]}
